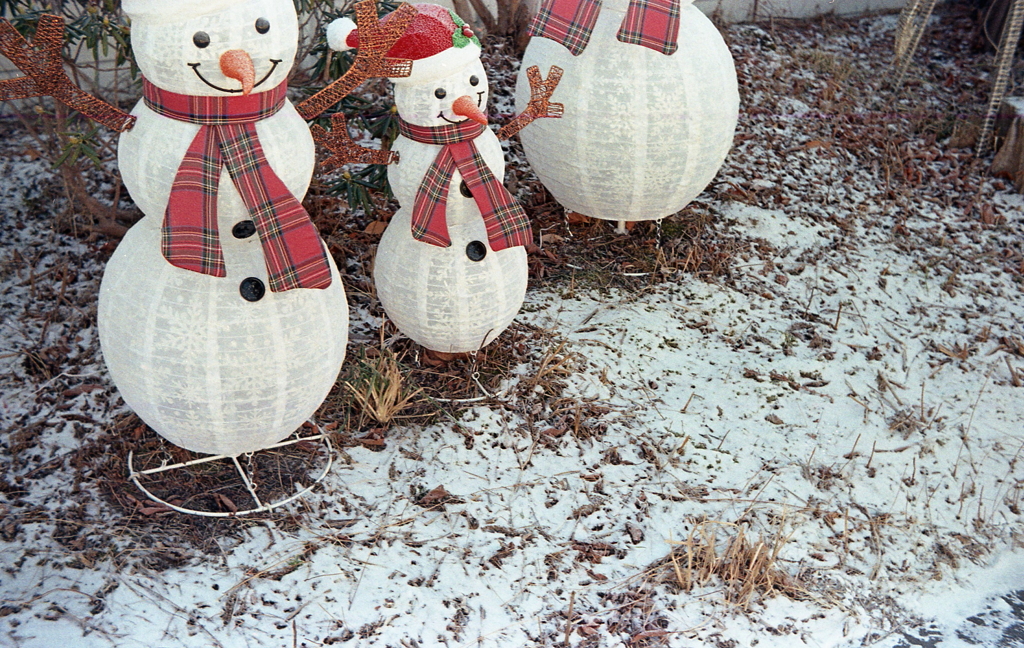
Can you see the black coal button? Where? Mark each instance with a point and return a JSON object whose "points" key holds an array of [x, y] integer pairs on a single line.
{"points": [[464, 189], [252, 289], [243, 229], [476, 251]]}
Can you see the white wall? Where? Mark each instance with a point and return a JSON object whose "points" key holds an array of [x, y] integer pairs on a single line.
{"points": [[751, 10]]}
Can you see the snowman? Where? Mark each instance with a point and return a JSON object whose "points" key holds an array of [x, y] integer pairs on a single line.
{"points": [[450, 269], [654, 104], [222, 318]]}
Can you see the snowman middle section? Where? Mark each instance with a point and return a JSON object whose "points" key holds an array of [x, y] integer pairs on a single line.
{"points": [[458, 298], [218, 365]]}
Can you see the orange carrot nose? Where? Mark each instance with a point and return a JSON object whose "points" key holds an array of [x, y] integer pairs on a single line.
{"points": [[465, 106], [237, 64]]}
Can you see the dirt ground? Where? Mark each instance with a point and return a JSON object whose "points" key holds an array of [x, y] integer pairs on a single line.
{"points": [[817, 362]]}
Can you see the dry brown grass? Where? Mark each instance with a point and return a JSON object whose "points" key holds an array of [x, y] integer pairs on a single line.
{"points": [[726, 553], [379, 388], [556, 364]]}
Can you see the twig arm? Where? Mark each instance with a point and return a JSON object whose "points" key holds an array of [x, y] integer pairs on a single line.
{"points": [[45, 75], [344, 149], [375, 39], [540, 105]]}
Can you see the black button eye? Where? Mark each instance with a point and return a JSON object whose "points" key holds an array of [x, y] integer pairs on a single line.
{"points": [[262, 25], [474, 80], [201, 39], [440, 93]]}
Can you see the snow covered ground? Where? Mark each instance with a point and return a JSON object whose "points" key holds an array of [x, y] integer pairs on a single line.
{"points": [[845, 395]]}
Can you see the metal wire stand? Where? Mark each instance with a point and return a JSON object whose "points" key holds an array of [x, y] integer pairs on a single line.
{"points": [[134, 475], [1004, 63], [912, 24]]}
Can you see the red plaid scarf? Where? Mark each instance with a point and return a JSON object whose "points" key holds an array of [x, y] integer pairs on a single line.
{"points": [[506, 222], [649, 23], [227, 137]]}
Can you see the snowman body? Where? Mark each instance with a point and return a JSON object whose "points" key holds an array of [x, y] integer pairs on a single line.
{"points": [[215, 364], [458, 298], [643, 132]]}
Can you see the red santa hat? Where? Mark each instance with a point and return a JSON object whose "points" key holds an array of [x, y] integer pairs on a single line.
{"points": [[438, 42]]}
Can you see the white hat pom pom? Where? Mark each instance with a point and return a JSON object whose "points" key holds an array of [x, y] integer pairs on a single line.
{"points": [[337, 34]]}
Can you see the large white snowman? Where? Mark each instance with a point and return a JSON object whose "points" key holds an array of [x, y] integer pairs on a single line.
{"points": [[451, 268], [222, 319], [651, 103]]}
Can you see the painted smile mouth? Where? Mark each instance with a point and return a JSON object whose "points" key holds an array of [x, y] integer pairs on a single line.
{"points": [[479, 100], [195, 68]]}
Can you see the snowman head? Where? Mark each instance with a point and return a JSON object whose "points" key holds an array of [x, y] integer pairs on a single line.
{"points": [[451, 99], [214, 47], [448, 84]]}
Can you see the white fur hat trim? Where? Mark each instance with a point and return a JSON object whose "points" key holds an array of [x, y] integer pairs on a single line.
{"points": [[440, 65]]}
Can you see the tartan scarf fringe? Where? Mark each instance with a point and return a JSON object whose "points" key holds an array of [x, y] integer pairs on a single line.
{"points": [[506, 223], [190, 238], [653, 24]]}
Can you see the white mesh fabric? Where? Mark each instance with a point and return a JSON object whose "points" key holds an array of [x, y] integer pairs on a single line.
{"points": [[643, 133], [439, 297]]}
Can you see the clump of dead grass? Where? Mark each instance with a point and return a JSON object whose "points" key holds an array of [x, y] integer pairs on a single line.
{"points": [[379, 389], [556, 364], [728, 554], [840, 69]]}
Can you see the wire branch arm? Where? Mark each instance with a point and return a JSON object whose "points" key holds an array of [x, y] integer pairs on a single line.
{"points": [[375, 40], [540, 105], [45, 76]]}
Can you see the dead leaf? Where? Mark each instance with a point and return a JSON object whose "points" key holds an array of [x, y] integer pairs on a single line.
{"points": [[551, 238], [342, 523], [817, 144], [376, 228], [989, 215], [636, 534], [226, 502], [434, 497], [438, 358], [150, 508], [371, 441], [593, 552], [648, 634], [81, 389], [771, 418]]}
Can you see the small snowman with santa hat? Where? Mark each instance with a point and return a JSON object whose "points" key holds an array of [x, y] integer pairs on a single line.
{"points": [[450, 269]]}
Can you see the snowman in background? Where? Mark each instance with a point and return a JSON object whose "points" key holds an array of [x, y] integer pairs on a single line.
{"points": [[451, 268], [222, 318], [653, 104]]}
